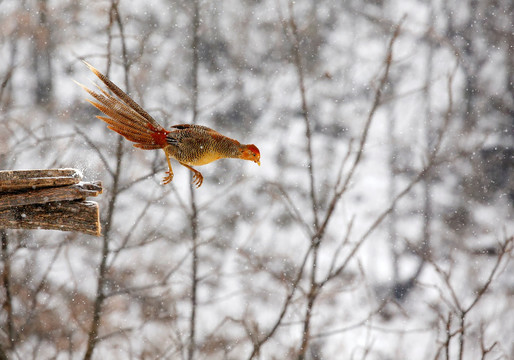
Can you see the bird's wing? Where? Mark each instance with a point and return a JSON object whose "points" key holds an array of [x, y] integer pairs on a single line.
{"points": [[196, 130]]}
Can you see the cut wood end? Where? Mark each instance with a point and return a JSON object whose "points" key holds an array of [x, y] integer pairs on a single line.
{"points": [[93, 188], [98, 224]]}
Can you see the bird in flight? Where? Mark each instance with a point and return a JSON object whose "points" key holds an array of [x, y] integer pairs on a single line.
{"points": [[189, 144]]}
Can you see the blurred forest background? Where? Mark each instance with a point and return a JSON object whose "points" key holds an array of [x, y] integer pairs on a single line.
{"points": [[379, 226]]}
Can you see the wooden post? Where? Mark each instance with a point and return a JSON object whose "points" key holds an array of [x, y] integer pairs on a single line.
{"points": [[48, 199]]}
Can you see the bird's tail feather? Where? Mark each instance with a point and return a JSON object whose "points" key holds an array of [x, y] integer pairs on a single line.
{"points": [[126, 117], [122, 95]]}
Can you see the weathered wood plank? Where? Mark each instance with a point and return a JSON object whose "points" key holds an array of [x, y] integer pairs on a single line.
{"points": [[80, 216], [48, 199], [15, 180], [24, 174], [52, 194]]}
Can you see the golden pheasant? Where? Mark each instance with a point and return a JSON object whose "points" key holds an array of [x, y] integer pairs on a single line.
{"points": [[190, 145]]}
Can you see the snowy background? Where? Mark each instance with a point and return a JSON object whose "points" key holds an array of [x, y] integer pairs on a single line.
{"points": [[392, 240]]}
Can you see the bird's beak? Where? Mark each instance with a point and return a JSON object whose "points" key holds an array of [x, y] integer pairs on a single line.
{"points": [[258, 162]]}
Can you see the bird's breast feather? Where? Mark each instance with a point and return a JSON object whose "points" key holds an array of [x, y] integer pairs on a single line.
{"points": [[206, 159]]}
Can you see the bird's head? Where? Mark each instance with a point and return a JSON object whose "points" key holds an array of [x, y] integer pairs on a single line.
{"points": [[250, 152]]}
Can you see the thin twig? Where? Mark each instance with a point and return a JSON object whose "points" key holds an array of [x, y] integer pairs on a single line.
{"points": [[320, 229], [297, 58], [292, 209], [39, 288], [193, 218], [97, 149], [285, 306], [102, 271], [364, 136], [125, 241], [505, 248], [10, 70]]}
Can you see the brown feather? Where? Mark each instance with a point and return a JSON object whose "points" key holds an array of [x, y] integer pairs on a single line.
{"points": [[123, 96], [121, 125], [148, 146], [114, 108], [131, 136]]}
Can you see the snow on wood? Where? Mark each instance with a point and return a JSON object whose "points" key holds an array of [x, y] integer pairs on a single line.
{"points": [[14, 180]]}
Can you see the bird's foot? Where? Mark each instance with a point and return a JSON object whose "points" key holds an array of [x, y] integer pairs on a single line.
{"points": [[167, 179], [197, 179]]}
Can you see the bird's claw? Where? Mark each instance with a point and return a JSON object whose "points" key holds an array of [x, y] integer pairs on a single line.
{"points": [[167, 179], [197, 179]]}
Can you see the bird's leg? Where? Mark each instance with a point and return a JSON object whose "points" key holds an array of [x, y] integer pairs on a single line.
{"points": [[167, 179], [197, 177]]}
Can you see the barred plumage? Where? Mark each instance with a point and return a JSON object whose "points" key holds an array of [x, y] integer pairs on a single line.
{"points": [[190, 145]]}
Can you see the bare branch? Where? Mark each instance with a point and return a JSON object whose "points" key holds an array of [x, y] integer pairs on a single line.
{"points": [[97, 150], [6, 281], [257, 345], [93, 338], [305, 112], [364, 136]]}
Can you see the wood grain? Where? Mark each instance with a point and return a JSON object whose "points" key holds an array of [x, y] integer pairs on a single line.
{"points": [[15, 180], [78, 191], [82, 216]]}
